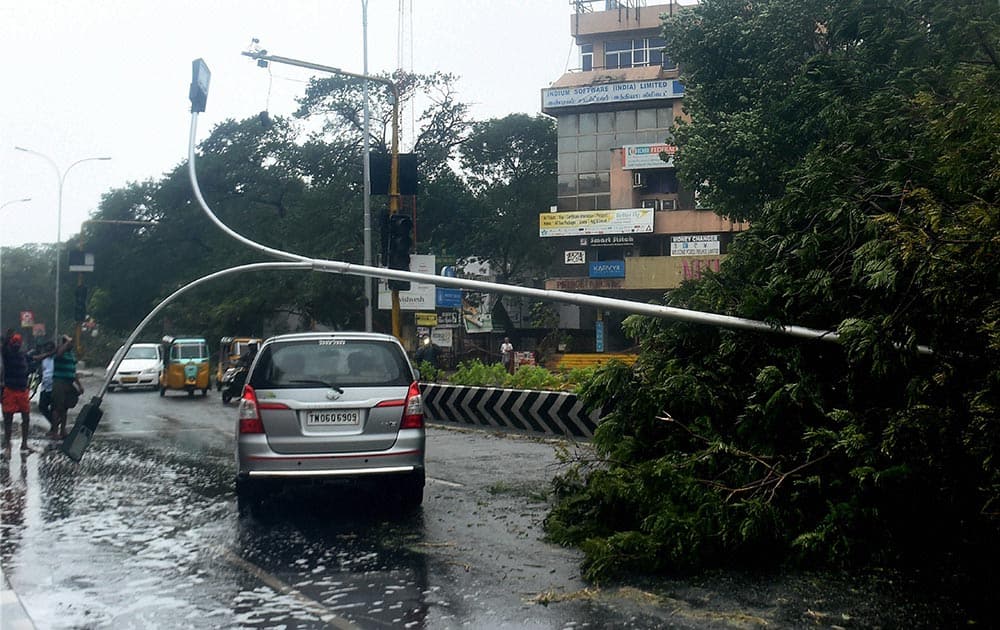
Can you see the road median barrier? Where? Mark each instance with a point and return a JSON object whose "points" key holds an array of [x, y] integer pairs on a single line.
{"points": [[531, 411]]}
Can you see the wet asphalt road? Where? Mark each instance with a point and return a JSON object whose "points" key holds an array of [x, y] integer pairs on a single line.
{"points": [[145, 533]]}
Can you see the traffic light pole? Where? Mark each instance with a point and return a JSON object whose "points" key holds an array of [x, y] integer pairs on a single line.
{"points": [[394, 201]]}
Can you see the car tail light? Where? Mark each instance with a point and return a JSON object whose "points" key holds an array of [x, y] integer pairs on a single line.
{"points": [[249, 414], [413, 409]]}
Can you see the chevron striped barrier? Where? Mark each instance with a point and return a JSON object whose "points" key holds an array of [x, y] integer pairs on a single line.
{"points": [[551, 413]]}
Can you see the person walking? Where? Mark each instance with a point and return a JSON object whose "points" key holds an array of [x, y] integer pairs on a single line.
{"points": [[66, 387], [15, 390], [507, 354], [45, 387]]}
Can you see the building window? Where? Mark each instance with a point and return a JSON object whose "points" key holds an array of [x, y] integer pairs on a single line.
{"points": [[646, 119], [586, 57], [568, 125], [605, 122], [634, 53], [625, 121], [568, 163], [588, 124], [567, 185], [665, 117]]}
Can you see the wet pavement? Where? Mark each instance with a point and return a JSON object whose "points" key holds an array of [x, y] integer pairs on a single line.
{"points": [[145, 533]]}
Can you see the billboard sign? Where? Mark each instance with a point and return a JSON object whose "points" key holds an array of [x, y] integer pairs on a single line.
{"points": [[695, 245], [420, 297], [587, 222], [607, 269], [623, 92], [635, 156]]}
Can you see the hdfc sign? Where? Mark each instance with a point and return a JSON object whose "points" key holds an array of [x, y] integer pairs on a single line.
{"points": [[635, 156]]}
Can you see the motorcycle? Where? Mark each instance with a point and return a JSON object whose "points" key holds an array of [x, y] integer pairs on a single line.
{"points": [[232, 383]]}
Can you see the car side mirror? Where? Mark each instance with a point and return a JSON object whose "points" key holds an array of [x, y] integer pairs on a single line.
{"points": [[416, 374]]}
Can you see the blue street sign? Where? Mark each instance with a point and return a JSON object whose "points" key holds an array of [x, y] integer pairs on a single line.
{"points": [[607, 269], [448, 298]]}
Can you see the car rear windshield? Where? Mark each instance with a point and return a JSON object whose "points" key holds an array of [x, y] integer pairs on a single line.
{"points": [[330, 362]]}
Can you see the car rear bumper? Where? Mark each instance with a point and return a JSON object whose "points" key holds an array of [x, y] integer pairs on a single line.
{"points": [[256, 459]]}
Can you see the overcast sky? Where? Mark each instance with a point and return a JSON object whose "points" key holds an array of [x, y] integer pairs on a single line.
{"points": [[86, 78]]}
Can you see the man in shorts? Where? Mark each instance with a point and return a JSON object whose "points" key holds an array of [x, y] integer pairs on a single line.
{"points": [[66, 387], [15, 397]]}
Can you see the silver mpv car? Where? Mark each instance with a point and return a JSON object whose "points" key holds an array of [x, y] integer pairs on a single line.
{"points": [[331, 405]]}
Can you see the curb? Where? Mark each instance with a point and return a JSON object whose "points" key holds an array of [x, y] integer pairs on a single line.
{"points": [[12, 611]]}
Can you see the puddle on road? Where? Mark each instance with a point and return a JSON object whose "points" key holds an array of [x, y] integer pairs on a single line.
{"points": [[136, 535]]}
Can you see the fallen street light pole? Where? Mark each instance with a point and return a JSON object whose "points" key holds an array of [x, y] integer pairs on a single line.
{"points": [[199, 96]]}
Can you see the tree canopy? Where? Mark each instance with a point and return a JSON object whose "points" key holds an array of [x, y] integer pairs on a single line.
{"points": [[862, 141]]}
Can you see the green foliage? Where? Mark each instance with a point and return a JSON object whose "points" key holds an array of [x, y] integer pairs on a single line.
{"points": [[862, 140], [479, 374], [428, 373], [534, 377], [475, 373]]}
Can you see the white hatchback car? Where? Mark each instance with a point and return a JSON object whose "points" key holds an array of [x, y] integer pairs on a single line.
{"points": [[140, 368], [326, 406]]}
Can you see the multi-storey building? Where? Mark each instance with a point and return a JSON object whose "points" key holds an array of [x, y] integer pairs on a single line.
{"points": [[624, 225]]}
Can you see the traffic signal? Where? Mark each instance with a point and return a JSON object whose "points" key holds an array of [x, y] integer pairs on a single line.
{"points": [[399, 243], [80, 304]]}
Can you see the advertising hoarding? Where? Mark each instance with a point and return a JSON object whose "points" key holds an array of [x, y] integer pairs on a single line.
{"points": [[636, 156], [695, 245], [623, 92], [420, 297], [587, 222]]}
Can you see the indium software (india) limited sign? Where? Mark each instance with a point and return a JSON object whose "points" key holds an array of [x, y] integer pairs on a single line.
{"points": [[611, 93], [647, 156], [626, 221]]}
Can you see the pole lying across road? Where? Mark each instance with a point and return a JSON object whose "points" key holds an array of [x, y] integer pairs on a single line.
{"points": [[581, 299], [90, 415]]}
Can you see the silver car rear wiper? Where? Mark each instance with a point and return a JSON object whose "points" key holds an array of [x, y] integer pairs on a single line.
{"points": [[318, 382]]}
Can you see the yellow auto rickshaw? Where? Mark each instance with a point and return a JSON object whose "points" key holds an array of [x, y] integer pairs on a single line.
{"points": [[185, 365], [231, 350]]}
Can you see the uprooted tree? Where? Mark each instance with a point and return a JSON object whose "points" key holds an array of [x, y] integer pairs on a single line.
{"points": [[862, 142]]}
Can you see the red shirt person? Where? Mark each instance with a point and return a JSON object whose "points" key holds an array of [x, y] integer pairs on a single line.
{"points": [[15, 398]]}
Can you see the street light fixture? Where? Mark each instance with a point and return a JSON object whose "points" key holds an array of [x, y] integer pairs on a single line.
{"points": [[61, 175], [2, 206], [394, 199]]}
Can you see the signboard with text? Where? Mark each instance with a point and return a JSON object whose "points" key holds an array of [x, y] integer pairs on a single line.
{"points": [[636, 156], [694, 245], [607, 269], [626, 221], [623, 92], [420, 297]]}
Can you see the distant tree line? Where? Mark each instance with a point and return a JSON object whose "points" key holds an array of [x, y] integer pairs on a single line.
{"points": [[296, 184]]}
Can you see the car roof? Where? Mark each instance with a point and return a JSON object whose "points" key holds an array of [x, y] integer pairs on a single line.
{"points": [[307, 336]]}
